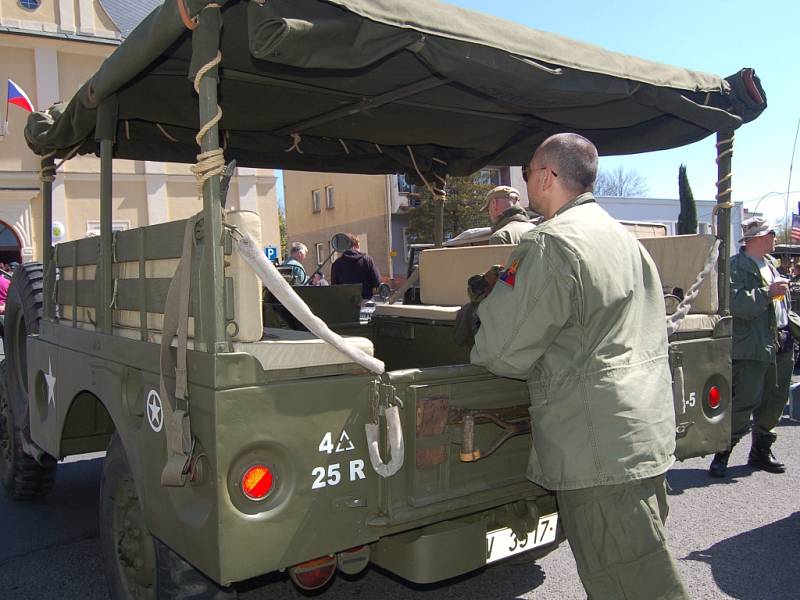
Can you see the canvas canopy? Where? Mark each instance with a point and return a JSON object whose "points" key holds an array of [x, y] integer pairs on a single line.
{"points": [[372, 86]]}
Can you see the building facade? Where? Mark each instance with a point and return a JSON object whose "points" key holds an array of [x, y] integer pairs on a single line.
{"points": [[50, 48], [375, 208]]}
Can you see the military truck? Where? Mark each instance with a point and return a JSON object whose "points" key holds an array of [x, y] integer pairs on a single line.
{"points": [[235, 451]]}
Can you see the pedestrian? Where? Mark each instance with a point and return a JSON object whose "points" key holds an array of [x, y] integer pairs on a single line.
{"points": [[762, 347], [297, 254], [509, 220], [353, 266], [579, 313], [318, 279]]}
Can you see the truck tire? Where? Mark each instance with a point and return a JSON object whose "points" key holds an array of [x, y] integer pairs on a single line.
{"points": [[21, 475], [23, 315], [137, 565]]}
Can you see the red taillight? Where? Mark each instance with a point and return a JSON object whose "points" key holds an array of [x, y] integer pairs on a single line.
{"points": [[257, 482], [313, 574], [713, 396]]}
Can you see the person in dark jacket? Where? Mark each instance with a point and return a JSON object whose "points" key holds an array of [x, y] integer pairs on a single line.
{"points": [[356, 267]]}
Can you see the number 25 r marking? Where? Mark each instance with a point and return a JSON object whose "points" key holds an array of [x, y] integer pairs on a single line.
{"points": [[333, 476]]}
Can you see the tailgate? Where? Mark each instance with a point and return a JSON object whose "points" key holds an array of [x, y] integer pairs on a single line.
{"points": [[467, 437], [701, 374]]}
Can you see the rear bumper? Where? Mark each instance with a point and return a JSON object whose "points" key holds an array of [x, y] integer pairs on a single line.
{"points": [[444, 550]]}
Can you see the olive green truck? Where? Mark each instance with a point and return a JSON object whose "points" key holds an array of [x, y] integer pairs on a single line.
{"points": [[237, 448]]}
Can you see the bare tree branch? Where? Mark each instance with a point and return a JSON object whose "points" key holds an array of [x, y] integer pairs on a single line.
{"points": [[620, 183]]}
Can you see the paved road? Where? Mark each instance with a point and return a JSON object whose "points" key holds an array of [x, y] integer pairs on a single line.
{"points": [[738, 538]]}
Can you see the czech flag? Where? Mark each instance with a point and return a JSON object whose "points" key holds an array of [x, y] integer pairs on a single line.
{"points": [[18, 97]]}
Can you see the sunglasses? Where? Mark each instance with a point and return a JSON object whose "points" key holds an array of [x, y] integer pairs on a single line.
{"points": [[526, 172]]}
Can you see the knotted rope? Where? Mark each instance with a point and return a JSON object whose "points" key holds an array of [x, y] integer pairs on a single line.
{"points": [[212, 162]]}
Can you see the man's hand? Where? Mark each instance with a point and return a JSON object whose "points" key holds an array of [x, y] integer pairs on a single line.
{"points": [[479, 286], [778, 289]]}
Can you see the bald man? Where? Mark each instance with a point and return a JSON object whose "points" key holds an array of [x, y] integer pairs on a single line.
{"points": [[579, 313]]}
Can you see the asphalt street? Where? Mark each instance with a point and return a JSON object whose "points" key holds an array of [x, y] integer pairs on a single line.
{"points": [[733, 538]]}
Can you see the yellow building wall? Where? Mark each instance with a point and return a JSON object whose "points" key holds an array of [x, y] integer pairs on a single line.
{"points": [[46, 13], [360, 207], [76, 201], [16, 64]]}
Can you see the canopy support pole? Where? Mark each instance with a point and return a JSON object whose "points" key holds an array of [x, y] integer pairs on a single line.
{"points": [[438, 219], [106, 134], [210, 327], [47, 176], [723, 213]]}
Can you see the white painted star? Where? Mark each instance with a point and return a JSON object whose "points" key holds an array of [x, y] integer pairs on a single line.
{"points": [[51, 384]]}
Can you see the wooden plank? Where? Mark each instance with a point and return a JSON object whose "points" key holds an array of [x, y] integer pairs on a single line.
{"points": [[77, 293], [164, 240], [88, 250]]}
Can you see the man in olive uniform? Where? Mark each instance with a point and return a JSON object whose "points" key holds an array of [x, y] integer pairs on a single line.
{"points": [[508, 217], [762, 347], [579, 313]]}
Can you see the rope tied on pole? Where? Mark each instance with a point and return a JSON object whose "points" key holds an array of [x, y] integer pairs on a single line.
{"points": [[209, 163]]}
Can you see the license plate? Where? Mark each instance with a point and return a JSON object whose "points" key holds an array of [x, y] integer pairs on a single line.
{"points": [[503, 543]]}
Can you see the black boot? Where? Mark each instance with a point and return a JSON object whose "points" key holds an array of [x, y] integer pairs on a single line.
{"points": [[720, 464], [761, 455]]}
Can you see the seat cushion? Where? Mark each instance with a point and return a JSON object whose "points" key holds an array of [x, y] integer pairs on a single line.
{"points": [[699, 323], [417, 311], [679, 260], [443, 272], [290, 349]]}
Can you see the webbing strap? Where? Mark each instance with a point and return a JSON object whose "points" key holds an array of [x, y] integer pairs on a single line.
{"points": [[177, 427]]}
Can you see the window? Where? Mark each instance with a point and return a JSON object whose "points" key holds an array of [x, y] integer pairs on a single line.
{"points": [[490, 176], [93, 227], [403, 187], [320, 247], [30, 4], [329, 201], [316, 201]]}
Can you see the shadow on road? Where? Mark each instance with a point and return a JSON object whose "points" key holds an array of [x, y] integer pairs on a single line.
{"points": [[758, 564], [680, 480], [505, 580]]}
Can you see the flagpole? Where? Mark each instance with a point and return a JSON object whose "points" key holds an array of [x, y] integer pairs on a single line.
{"points": [[789, 183]]}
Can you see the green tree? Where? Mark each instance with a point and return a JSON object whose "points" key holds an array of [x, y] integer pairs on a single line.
{"points": [[687, 219], [462, 209], [282, 231]]}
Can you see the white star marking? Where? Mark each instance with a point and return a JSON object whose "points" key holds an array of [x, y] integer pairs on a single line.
{"points": [[154, 411], [50, 379]]}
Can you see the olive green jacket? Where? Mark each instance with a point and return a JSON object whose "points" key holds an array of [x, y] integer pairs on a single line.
{"points": [[579, 313], [755, 328], [511, 226]]}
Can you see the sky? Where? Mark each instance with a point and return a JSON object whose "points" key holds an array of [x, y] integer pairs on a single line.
{"points": [[714, 36]]}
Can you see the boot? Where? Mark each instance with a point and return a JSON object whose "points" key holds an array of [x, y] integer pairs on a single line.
{"points": [[761, 456], [719, 465]]}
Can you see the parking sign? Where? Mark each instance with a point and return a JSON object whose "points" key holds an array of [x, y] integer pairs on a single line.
{"points": [[271, 252]]}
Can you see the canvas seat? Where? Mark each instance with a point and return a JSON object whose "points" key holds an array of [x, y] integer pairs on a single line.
{"points": [[679, 259], [443, 275]]}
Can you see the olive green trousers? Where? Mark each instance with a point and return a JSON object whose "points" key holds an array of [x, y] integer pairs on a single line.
{"points": [[762, 390], [617, 536]]}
